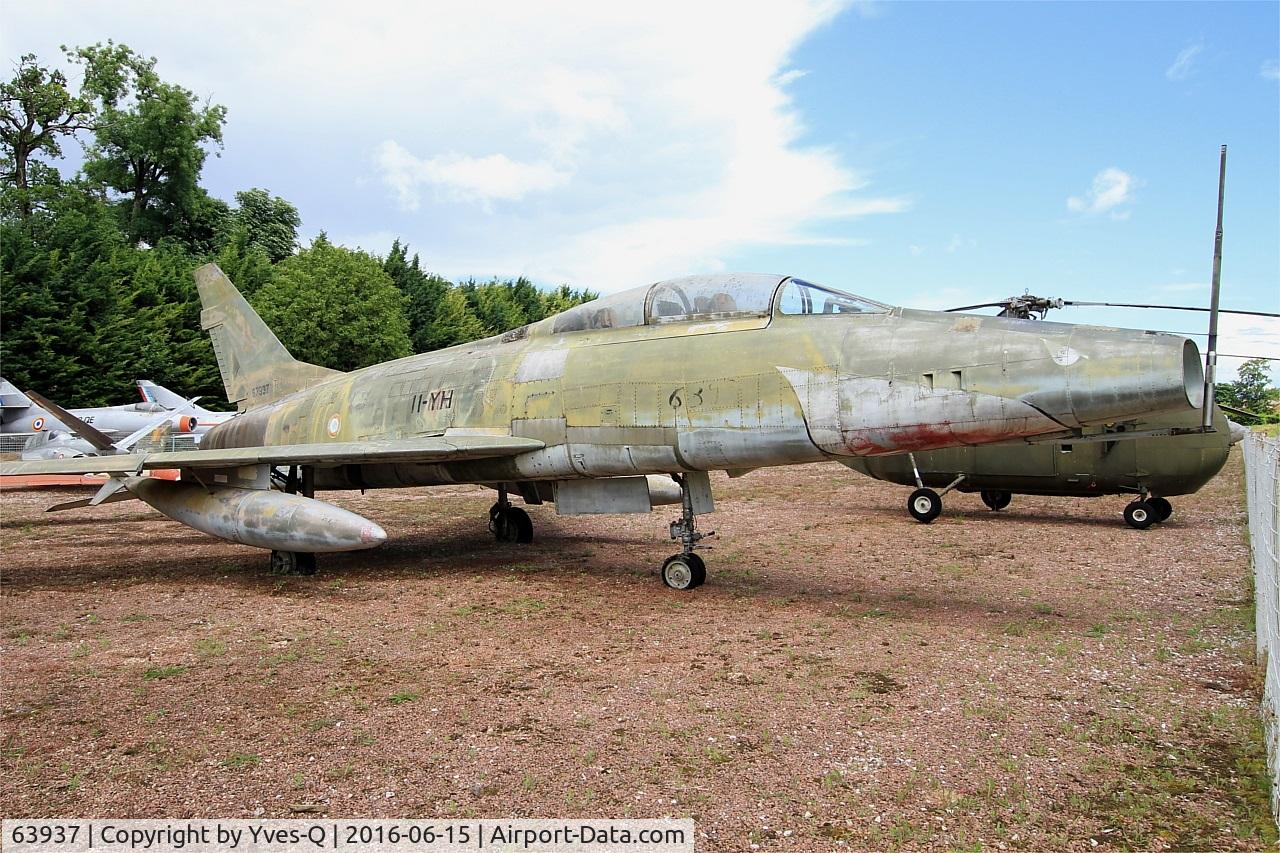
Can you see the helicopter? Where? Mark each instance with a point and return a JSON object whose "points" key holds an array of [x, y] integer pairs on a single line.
{"points": [[1151, 460]]}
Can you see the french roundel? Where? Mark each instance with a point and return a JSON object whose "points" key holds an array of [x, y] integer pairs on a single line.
{"points": [[37, 424]]}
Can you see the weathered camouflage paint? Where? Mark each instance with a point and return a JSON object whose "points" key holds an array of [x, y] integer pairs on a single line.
{"points": [[1164, 466], [728, 394]]}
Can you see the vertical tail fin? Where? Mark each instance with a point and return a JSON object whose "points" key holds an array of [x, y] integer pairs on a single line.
{"points": [[11, 397], [159, 395], [255, 366]]}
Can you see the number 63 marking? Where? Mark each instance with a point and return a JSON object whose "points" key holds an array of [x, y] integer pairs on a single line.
{"points": [[676, 401]]}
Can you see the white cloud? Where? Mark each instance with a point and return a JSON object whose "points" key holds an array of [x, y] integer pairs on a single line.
{"points": [[478, 179], [1270, 70], [1184, 64], [599, 144], [1111, 189]]}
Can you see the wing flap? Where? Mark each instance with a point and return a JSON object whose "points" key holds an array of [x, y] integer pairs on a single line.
{"points": [[429, 449]]}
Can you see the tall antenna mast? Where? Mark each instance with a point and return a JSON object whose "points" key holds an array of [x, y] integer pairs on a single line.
{"points": [[1211, 350]]}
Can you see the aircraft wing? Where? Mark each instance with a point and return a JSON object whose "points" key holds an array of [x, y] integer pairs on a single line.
{"points": [[428, 449]]}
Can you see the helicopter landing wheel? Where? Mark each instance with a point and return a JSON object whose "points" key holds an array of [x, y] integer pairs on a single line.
{"points": [[1163, 508], [1140, 515], [995, 499], [924, 505]]}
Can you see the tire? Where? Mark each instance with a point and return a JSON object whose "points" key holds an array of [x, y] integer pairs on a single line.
{"points": [[1163, 508], [924, 505], [292, 563], [511, 525], [1140, 515], [996, 499], [683, 572]]}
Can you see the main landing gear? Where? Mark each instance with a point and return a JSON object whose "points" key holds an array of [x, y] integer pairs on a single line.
{"points": [[686, 569], [1145, 512], [301, 478], [925, 504], [509, 523]]}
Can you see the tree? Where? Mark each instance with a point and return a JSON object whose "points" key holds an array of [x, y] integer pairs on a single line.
{"points": [[36, 112], [335, 307], [149, 142], [270, 223], [1251, 391]]}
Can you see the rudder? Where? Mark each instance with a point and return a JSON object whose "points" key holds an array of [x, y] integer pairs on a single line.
{"points": [[256, 368]]}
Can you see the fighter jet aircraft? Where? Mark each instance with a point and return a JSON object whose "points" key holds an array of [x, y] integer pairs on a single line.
{"points": [[681, 377], [21, 415], [1152, 469]]}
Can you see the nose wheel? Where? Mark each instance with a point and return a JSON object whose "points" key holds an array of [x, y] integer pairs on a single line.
{"points": [[684, 571]]}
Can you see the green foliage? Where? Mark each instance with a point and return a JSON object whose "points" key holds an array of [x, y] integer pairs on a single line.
{"points": [[149, 148], [270, 224], [335, 307], [442, 315], [1251, 391], [36, 112], [97, 270]]}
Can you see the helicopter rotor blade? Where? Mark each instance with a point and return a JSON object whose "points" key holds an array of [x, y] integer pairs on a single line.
{"points": [[1168, 307]]}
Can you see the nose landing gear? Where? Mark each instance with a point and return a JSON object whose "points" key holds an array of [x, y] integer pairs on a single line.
{"points": [[686, 570]]}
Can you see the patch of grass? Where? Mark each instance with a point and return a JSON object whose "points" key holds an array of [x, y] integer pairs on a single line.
{"points": [[1098, 630], [241, 761], [523, 606], [136, 617], [404, 697], [209, 648], [528, 782], [1216, 788], [363, 739], [876, 613], [320, 724], [716, 755], [157, 672], [833, 779], [1042, 609]]}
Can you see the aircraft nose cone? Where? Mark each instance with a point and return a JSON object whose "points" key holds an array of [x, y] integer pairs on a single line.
{"points": [[372, 535]]}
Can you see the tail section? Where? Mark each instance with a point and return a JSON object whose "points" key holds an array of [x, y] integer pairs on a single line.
{"points": [[256, 368], [11, 397], [159, 395]]}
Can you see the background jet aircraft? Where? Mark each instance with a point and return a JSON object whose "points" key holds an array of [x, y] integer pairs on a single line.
{"points": [[20, 415], [1152, 469], [682, 377]]}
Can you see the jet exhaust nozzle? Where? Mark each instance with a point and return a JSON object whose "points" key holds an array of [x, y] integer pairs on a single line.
{"points": [[263, 518]]}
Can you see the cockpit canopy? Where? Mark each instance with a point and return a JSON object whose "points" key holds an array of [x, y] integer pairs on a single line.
{"points": [[710, 298]]}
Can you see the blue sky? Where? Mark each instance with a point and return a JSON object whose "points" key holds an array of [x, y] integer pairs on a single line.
{"points": [[927, 154]]}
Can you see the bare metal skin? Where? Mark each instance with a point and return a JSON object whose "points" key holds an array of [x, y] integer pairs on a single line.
{"points": [[682, 377]]}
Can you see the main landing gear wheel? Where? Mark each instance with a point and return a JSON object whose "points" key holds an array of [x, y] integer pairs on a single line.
{"points": [[684, 571], [995, 499], [1141, 515], [1163, 508], [292, 563], [510, 524], [924, 505]]}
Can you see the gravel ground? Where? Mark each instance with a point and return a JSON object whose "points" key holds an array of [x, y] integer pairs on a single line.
{"points": [[1041, 678]]}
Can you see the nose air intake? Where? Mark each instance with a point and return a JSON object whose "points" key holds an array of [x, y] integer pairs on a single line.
{"points": [[1128, 375]]}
